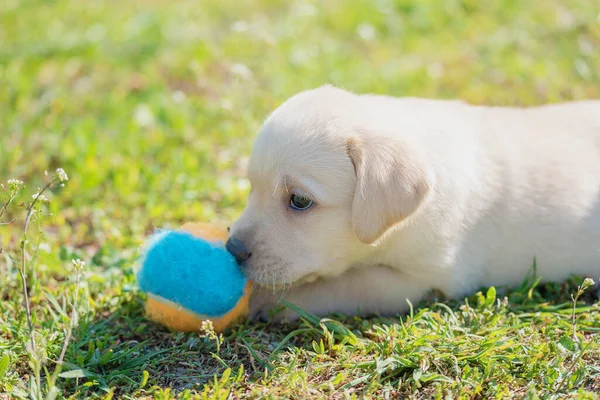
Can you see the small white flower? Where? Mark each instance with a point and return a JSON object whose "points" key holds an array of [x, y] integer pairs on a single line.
{"points": [[366, 31], [207, 329], [143, 115], [61, 175], [40, 197], [207, 325], [15, 182], [14, 185], [78, 264], [587, 282]]}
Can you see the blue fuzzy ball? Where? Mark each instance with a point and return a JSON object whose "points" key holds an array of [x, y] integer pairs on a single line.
{"points": [[191, 272]]}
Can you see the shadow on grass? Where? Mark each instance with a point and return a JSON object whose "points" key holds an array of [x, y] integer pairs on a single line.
{"points": [[120, 349]]}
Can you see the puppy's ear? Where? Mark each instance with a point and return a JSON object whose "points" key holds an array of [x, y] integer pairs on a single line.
{"points": [[391, 183]]}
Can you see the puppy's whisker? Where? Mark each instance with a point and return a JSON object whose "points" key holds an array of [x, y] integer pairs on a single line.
{"points": [[285, 184], [285, 279], [260, 279], [277, 289], [285, 286]]}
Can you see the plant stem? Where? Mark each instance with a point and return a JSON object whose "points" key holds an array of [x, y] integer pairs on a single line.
{"points": [[68, 335], [5, 206], [22, 269], [574, 320], [572, 367]]}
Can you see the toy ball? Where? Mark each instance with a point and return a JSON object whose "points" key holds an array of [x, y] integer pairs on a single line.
{"points": [[190, 278]]}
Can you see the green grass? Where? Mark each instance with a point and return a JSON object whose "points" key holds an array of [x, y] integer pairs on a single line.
{"points": [[151, 108]]}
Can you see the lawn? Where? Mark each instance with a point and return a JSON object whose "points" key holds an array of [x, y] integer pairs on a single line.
{"points": [[150, 107]]}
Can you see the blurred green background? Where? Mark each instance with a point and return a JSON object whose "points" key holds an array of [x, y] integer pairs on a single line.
{"points": [[151, 106]]}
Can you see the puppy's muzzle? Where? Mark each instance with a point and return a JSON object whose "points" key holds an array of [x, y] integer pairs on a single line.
{"points": [[238, 249]]}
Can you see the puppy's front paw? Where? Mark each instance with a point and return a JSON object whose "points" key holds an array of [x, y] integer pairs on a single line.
{"points": [[264, 307], [261, 304]]}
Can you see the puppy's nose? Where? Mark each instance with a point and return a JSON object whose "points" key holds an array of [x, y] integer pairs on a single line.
{"points": [[238, 249]]}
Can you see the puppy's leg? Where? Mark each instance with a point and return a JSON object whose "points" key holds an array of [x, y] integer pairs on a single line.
{"points": [[361, 291]]}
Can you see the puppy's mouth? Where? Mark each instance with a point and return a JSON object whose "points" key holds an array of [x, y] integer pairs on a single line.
{"points": [[275, 276], [267, 276]]}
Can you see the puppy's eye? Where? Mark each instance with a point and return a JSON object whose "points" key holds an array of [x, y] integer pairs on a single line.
{"points": [[299, 202]]}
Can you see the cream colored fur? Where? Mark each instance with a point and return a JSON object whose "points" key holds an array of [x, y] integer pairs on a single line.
{"points": [[415, 194]]}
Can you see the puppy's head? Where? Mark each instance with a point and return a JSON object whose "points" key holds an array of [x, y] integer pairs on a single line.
{"points": [[324, 189]]}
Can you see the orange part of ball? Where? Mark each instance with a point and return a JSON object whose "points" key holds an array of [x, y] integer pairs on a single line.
{"points": [[180, 319], [206, 231]]}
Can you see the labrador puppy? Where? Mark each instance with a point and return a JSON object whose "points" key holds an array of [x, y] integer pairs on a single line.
{"points": [[360, 202]]}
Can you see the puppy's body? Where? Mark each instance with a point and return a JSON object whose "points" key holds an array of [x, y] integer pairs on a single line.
{"points": [[510, 185], [414, 194]]}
